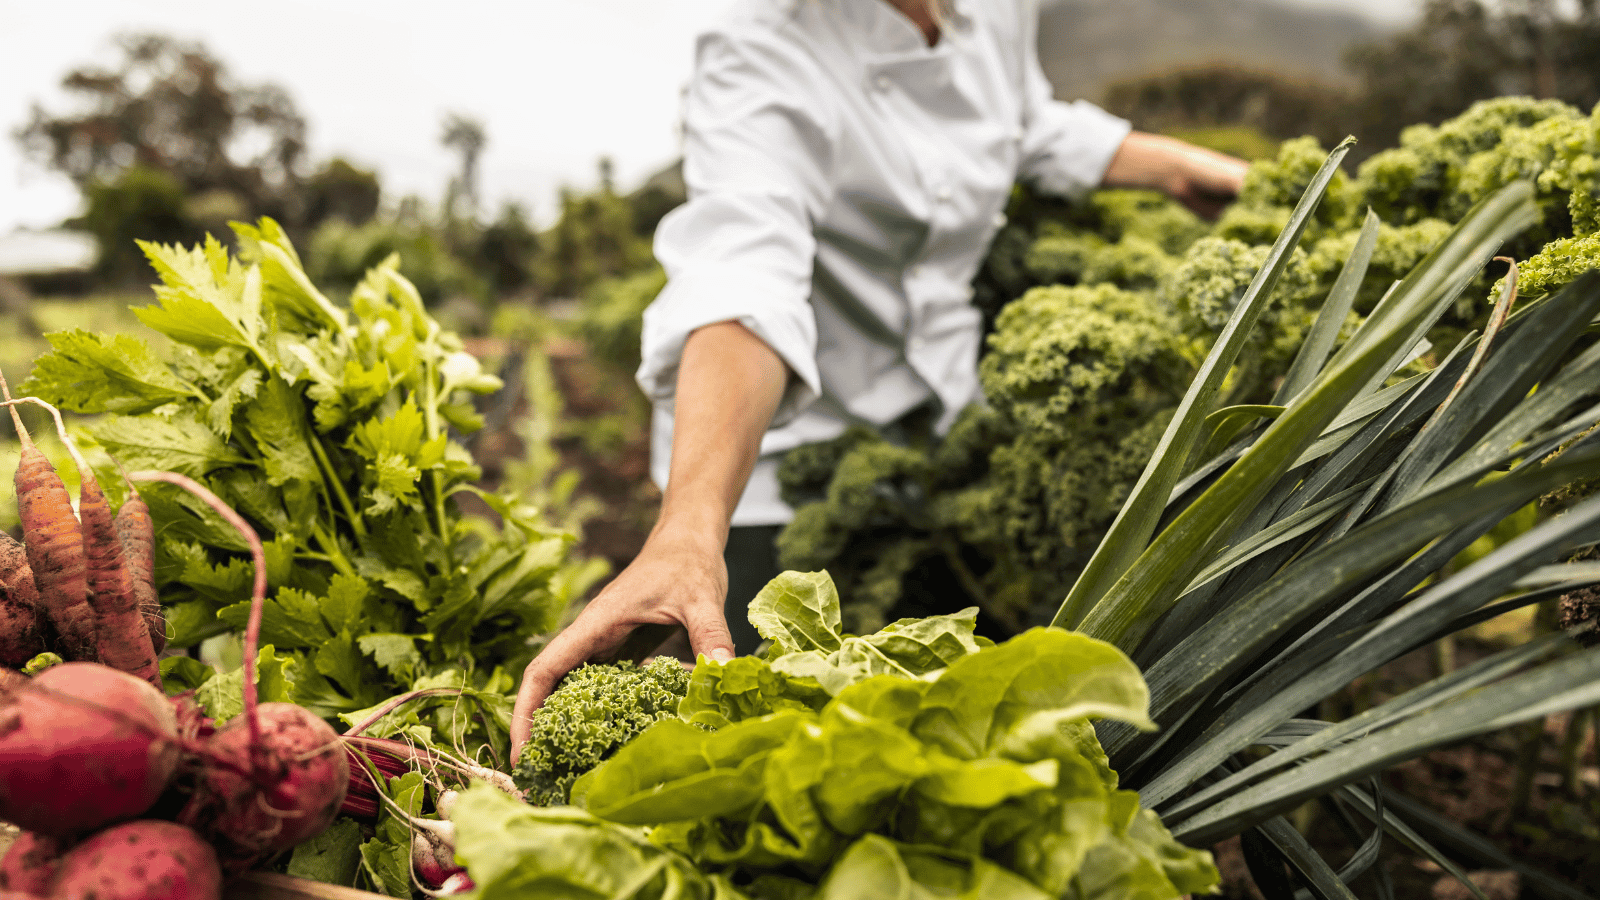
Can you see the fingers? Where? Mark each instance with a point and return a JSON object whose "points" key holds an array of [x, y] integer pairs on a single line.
{"points": [[569, 650], [708, 631]]}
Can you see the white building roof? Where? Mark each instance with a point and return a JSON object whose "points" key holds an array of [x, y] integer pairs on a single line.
{"points": [[46, 252]]}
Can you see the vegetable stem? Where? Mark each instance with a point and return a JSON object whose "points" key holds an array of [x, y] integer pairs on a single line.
{"points": [[330, 546], [430, 418], [332, 478]]}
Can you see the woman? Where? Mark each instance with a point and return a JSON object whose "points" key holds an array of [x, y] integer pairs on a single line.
{"points": [[848, 162]]}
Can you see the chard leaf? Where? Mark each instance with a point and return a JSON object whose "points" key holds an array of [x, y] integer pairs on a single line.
{"points": [[90, 373], [1061, 675], [875, 866], [675, 771], [798, 611]]}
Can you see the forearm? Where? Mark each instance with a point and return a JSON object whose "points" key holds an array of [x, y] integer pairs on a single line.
{"points": [[1202, 179], [729, 386]]}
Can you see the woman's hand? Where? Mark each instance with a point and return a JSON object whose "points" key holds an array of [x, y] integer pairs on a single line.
{"points": [[673, 582], [729, 386], [1203, 180]]}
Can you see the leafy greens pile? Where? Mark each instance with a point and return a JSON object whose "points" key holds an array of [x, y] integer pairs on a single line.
{"points": [[910, 762], [329, 428]]}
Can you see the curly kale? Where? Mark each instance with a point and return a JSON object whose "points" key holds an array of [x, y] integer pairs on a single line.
{"points": [[1414, 181], [591, 714], [1276, 184], [1070, 361]]}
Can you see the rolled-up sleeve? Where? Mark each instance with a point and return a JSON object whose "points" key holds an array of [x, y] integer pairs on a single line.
{"points": [[1066, 147], [741, 249]]}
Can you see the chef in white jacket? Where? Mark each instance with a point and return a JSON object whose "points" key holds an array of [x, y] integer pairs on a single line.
{"points": [[848, 162]]}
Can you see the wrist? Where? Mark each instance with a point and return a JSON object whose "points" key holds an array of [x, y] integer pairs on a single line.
{"points": [[695, 528]]}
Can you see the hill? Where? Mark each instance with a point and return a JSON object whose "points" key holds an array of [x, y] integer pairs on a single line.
{"points": [[1084, 45]]}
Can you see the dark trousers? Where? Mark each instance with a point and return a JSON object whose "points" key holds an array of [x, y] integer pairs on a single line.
{"points": [[752, 560]]}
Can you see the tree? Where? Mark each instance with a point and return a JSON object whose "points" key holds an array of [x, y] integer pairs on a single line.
{"points": [[1224, 95], [466, 136], [594, 238], [341, 190], [1462, 51], [169, 106], [140, 204], [506, 250]]}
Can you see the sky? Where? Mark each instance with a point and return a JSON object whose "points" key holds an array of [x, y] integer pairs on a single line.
{"points": [[556, 84]]}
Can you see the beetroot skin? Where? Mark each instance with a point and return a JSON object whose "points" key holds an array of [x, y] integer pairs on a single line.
{"points": [[81, 746], [301, 775], [144, 860], [30, 865]]}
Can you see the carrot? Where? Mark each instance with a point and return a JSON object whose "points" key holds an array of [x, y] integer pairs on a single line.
{"points": [[122, 639], [20, 639], [54, 544], [137, 533]]}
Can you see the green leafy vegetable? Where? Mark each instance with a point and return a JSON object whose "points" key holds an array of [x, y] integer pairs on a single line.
{"points": [[330, 429], [595, 710]]}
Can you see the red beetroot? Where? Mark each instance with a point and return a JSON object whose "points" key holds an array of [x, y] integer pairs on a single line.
{"points": [[30, 865], [144, 860], [299, 776], [81, 746]]}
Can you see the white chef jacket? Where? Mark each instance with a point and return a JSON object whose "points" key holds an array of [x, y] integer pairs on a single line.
{"points": [[845, 180]]}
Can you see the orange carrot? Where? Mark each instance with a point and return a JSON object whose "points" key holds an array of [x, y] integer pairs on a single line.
{"points": [[123, 638], [137, 533], [20, 639], [54, 544]]}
